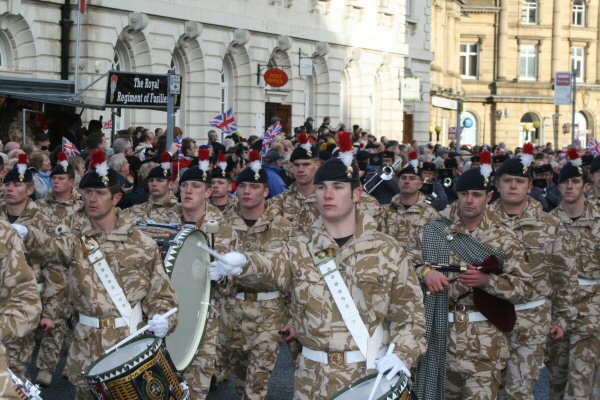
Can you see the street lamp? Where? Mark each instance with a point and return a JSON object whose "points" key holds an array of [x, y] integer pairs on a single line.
{"points": [[438, 129], [527, 129], [431, 130], [536, 125]]}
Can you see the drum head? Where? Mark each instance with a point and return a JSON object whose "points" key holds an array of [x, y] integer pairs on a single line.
{"points": [[120, 357], [188, 267], [361, 389]]}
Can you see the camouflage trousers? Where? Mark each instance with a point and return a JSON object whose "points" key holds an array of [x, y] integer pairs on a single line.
{"points": [[20, 353], [584, 368], [557, 365], [51, 345], [253, 369], [477, 353], [7, 387], [527, 344], [316, 381], [199, 374]]}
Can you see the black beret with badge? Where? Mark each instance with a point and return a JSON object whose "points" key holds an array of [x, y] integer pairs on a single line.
{"points": [[341, 168], [477, 178], [100, 175]]}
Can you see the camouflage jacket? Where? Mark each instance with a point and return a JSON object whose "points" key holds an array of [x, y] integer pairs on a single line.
{"points": [[405, 224], [60, 212], [232, 202], [550, 250], [586, 230], [20, 305], [378, 273], [162, 213], [38, 225], [593, 197], [369, 205], [301, 211], [515, 284]]}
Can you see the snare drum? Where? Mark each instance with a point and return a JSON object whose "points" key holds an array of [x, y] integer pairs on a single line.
{"points": [[396, 389], [163, 234], [141, 369], [24, 389]]}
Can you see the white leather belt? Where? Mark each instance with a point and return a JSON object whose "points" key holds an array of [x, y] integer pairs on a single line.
{"points": [[104, 322], [349, 357], [531, 304], [259, 296], [588, 282], [473, 316]]}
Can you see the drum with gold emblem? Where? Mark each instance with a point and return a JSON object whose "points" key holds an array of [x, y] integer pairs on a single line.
{"points": [[395, 389]]}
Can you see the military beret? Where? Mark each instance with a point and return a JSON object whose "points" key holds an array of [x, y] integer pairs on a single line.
{"points": [[499, 158], [200, 172], [304, 150], [342, 168], [222, 170], [163, 171], [519, 166], [99, 175], [450, 163], [63, 167], [595, 165], [413, 165], [477, 178], [475, 159], [540, 169], [254, 172], [586, 159], [428, 166], [572, 168], [20, 172]]}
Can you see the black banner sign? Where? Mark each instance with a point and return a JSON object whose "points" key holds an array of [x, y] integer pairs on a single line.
{"points": [[136, 90]]}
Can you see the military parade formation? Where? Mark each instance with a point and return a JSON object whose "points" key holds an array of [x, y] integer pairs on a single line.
{"points": [[391, 271]]}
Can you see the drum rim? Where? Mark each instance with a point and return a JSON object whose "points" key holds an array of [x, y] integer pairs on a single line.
{"points": [[174, 250], [361, 380], [98, 378]]}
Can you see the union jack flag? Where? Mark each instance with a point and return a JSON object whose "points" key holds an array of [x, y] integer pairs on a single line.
{"points": [[69, 148], [594, 147], [269, 135], [225, 122], [178, 142]]}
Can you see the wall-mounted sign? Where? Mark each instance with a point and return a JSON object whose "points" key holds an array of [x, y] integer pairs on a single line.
{"points": [[443, 102], [133, 90], [410, 88], [276, 77], [562, 88], [306, 66]]}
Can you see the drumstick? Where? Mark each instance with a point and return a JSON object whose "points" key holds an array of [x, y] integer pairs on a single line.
{"points": [[139, 332], [212, 252], [380, 374]]}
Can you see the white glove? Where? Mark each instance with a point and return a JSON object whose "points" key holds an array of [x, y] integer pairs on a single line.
{"points": [[392, 363], [214, 272], [159, 325], [232, 263], [22, 230]]}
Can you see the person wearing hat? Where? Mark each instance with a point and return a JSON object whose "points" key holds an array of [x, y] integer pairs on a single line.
{"points": [[254, 317], [20, 305], [408, 211], [196, 210], [272, 165], [189, 148], [378, 283], [41, 141], [575, 361], [128, 257], [593, 195], [472, 306], [436, 195], [543, 178], [221, 185], [550, 251], [33, 226], [64, 207], [162, 205]]}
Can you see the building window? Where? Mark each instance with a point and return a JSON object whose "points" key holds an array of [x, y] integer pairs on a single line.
{"points": [[578, 13], [410, 8], [469, 60], [578, 62], [528, 62], [227, 85], [529, 12]]}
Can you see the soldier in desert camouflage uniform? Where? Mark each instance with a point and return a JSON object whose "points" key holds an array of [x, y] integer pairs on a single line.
{"points": [[33, 226], [477, 350], [593, 195], [253, 318], [375, 268], [575, 361], [134, 261], [61, 206], [20, 304], [162, 205], [194, 187], [221, 186], [550, 250], [407, 213]]}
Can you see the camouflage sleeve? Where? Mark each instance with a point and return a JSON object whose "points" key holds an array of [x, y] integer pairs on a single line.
{"points": [[19, 296], [270, 269], [161, 294], [383, 218], [55, 294], [407, 312], [564, 280], [515, 283]]}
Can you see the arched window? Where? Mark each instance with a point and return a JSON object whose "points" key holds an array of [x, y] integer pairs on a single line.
{"points": [[578, 13], [6, 59], [121, 62], [227, 85], [581, 127], [469, 136], [528, 132]]}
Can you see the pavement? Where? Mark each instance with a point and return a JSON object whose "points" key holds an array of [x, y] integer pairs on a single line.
{"points": [[281, 385]]}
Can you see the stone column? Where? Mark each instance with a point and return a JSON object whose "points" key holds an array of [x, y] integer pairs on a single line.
{"points": [[502, 40], [557, 21]]}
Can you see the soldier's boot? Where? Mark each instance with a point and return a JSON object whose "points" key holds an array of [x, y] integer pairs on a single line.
{"points": [[44, 378]]}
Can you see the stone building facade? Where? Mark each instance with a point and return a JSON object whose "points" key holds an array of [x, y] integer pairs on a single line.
{"points": [[358, 50], [507, 56]]}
